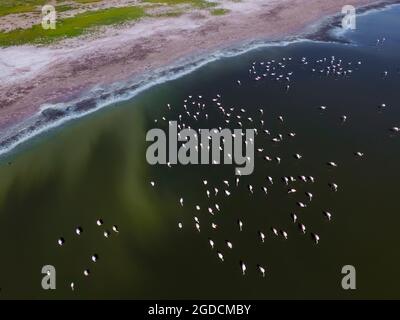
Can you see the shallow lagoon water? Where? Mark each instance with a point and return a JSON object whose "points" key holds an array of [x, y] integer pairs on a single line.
{"points": [[95, 167]]}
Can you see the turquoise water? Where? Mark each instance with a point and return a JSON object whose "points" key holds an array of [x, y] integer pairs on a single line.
{"points": [[95, 167]]}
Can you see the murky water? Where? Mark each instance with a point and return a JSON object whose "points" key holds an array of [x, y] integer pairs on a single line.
{"points": [[96, 167]]}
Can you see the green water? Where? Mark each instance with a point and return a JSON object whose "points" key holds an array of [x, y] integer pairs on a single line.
{"points": [[95, 167]]}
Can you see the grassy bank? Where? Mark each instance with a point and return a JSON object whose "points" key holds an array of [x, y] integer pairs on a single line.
{"points": [[19, 6], [82, 23], [71, 27]]}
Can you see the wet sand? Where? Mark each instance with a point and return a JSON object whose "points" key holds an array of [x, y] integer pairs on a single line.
{"points": [[34, 76]]}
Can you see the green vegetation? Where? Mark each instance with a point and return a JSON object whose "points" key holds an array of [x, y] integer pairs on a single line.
{"points": [[219, 11], [71, 27], [19, 6], [194, 3], [64, 7], [84, 22], [87, 1], [170, 14], [23, 6]]}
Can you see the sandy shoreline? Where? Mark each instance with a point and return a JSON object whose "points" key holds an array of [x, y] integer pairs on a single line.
{"points": [[34, 76]]}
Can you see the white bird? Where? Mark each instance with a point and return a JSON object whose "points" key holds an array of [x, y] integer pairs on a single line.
{"points": [[86, 272], [78, 231], [220, 256], [309, 195], [315, 237], [328, 215], [275, 232], [95, 257], [301, 204], [291, 191], [72, 286], [294, 217], [197, 227], [229, 244], [240, 223], [180, 226], [302, 228], [298, 156], [61, 241], [262, 270], [285, 180], [250, 188], [359, 154], [334, 186], [243, 267], [303, 178], [181, 201], [265, 190], [152, 183], [115, 228], [99, 222], [332, 164], [262, 236], [211, 242]]}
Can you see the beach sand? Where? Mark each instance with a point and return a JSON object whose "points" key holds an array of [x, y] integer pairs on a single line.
{"points": [[33, 76]]}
